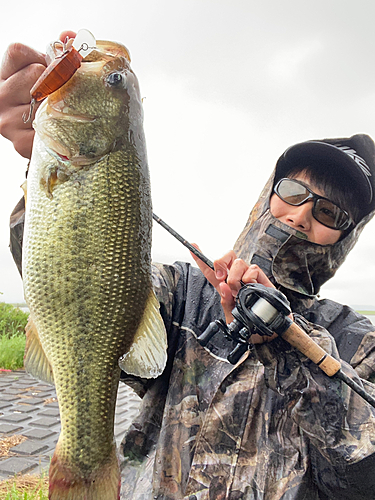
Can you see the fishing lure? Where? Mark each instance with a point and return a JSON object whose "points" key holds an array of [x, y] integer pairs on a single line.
{"points": [[62, 68]]}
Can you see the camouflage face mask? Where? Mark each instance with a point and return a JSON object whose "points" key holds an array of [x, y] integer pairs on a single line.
{"points": [[286, 256]]}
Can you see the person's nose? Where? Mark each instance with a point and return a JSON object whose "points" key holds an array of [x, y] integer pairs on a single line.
{"points": [[300, 217]]}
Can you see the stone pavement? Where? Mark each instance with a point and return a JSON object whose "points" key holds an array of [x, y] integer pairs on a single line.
{"points": [[29, 408]]}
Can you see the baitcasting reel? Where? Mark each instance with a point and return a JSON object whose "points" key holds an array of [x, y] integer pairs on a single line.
{"points": [[259, 309]]}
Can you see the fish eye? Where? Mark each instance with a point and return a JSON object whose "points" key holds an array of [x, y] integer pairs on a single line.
{"points": [[115, 79]]}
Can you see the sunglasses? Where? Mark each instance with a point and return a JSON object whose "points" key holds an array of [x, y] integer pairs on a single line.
{"points": [[324, 211]]}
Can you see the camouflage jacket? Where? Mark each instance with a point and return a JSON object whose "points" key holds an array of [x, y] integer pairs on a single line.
{"points": [[273, 427]]}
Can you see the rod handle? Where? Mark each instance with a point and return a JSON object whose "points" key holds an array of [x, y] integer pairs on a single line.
{"points": [[305, 344]]}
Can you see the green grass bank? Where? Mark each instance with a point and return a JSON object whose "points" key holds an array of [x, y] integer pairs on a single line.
{"points": [[12, 336]]}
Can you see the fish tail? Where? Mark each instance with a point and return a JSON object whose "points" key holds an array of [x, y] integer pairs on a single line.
{"points": [[66, 483]]}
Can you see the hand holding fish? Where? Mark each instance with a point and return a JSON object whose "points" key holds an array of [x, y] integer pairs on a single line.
{"points": [[20, 69]]}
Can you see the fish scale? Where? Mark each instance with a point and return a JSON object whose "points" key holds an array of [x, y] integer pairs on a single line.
{"points": [[84, 304], [87, 271]]}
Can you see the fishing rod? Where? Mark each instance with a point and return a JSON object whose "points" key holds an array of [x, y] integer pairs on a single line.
{"points": [[266, 311], [182, 240]]}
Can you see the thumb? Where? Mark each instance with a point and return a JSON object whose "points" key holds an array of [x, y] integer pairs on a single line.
{"points": [[69, 34]]}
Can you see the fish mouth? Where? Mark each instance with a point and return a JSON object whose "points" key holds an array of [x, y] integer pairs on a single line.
{"points": [[66, 113], [62, 155], [64, 151]]}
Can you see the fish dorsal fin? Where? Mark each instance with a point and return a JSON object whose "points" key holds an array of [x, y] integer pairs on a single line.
{"points": [[147, 355], [35, 360]]}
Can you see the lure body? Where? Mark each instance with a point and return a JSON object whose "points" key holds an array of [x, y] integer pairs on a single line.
{"points": [[62, 68], [56, 74]]}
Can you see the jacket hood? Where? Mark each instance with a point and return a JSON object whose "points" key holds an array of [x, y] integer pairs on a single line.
{"points": [[294, 264]]}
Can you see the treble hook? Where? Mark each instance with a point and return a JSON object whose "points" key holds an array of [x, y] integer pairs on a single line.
{"points": [[61, 69]]}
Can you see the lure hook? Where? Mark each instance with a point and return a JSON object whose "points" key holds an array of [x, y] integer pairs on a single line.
{"points": [[27, 117], [61, 69]]}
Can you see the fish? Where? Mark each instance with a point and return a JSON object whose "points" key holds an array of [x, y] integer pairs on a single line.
{"points": [[87, 265]]}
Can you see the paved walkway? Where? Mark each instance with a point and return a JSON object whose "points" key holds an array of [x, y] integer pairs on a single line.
{"points": [[29, 408]]}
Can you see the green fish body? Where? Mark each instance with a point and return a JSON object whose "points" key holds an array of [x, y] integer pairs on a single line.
{"points": [[86, 265]]}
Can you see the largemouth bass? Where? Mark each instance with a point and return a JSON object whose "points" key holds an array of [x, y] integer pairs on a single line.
{"points": [[86, 265]]}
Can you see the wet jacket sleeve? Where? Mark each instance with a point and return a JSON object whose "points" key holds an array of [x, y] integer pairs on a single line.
{"points": [[354, 334], [339, 423], [364, 359], [16, 226]]}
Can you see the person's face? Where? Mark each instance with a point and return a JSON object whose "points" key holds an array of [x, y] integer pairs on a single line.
{"points": [[301, 217]]}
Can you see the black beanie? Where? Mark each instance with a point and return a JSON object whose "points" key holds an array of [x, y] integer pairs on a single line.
{"points": [[352, 158]]}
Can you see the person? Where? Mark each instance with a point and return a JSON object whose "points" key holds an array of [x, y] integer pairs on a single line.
{"points": [[273, 426]]}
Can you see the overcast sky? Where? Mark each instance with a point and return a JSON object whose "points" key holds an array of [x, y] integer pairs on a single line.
{"points": [[228, 86]]}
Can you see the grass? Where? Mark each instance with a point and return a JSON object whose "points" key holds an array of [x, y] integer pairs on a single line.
{"points": [[12, 320], [26, 487], [12, 336], [12, 351]]}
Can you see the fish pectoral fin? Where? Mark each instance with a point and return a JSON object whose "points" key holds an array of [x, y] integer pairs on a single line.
{"points": [[35, 359], [147, 355]]}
